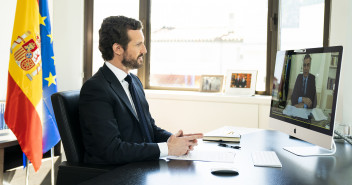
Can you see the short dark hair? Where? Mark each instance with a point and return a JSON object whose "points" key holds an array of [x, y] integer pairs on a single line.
{"points": [[114, 30], [307, 56]]}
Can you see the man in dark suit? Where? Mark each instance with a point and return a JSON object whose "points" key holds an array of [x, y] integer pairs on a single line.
{"points": [[237, 81], [243, 82], [115, 120], [304, 92]]}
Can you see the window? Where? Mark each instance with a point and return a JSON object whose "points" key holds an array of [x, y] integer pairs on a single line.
{"points": [[186, 39], [301, 24], [206, 37]]}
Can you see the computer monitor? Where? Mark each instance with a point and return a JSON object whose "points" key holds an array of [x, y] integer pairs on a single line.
{"points": [[304, 96]]}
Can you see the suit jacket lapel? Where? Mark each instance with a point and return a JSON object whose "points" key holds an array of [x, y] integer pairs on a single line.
{"points": [[117, 88]]}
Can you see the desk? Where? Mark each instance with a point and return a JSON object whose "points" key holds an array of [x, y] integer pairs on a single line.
{"points": [[296, 170], [7, 139]]}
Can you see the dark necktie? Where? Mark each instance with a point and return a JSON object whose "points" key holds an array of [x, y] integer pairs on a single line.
{"points": [[304, 86], [139, 110]]}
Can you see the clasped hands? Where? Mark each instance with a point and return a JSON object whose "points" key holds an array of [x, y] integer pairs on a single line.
{"points": [[180, 144], [306, 101]]}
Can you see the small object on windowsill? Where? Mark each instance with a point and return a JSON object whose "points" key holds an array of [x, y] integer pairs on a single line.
{"points": [[229, 146]]}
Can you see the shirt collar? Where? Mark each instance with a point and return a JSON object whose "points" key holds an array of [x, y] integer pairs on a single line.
{"points": [[120, 75]]}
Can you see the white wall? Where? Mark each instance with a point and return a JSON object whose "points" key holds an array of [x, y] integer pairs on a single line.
{"points": [[68, 44], [202, 112], [7, 16], [340, 34]]}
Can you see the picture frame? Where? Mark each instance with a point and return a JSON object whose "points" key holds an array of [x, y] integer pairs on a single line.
{"points": [[211, 83], [241, 82]]}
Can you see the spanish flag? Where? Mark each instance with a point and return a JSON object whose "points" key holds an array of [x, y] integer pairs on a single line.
{"points": [[24, 101]]}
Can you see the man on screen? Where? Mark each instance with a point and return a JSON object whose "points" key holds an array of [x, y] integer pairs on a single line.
{"points": [[304, 92]]}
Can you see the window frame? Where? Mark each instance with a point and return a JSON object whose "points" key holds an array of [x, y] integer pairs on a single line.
{"points": [[144, 16]]}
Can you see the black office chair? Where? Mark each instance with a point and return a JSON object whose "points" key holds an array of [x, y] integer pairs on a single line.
{"points": [[74, 170]]}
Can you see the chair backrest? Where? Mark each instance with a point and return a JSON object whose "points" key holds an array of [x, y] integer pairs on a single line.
{"points": [[65, 105]]}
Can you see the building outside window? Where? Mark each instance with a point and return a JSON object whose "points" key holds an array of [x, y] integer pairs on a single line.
{"points": [[301, 24], [206, 37]]}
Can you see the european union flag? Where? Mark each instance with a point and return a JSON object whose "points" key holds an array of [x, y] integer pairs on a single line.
{"points": [[51, 134]]}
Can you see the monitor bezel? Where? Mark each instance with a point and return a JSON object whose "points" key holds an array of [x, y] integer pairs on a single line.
{"points": [[310, 133]]}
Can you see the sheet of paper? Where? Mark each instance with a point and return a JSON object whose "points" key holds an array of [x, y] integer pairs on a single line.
{"points": [[227, 156], [297, 112]]}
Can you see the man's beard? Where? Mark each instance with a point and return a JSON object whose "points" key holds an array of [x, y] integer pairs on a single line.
{"points": [[132, 63]]}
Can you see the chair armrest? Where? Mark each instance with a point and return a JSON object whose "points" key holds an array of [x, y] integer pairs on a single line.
{"points": [[75, 173]]}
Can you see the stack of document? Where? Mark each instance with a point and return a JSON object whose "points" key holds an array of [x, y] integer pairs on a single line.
{"points": [[227, 133], [318, 114]]}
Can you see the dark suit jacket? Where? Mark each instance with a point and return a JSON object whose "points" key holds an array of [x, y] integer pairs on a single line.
{"points": [[237, 82], [243, 83], [310, 91], [110, 129]]}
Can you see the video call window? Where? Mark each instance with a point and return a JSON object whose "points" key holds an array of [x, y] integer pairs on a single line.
{"points": [[304, 87]]}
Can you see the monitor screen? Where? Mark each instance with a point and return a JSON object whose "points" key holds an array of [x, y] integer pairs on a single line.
{"points": [[304, 93]]}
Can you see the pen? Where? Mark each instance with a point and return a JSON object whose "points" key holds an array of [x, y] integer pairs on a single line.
{"points": [[225, 145]]}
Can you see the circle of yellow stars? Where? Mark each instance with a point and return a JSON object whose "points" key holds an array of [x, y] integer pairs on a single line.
{"points": [[51, 79]]}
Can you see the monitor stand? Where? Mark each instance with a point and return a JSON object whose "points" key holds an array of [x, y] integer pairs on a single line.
{"points": [[312, 150]]}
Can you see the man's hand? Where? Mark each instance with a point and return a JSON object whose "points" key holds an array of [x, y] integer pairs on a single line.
{"points": [[307, 101], [300, 105], [180, 144], [195, 141]]}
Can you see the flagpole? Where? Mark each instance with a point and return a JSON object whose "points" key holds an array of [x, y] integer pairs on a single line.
{"points": [[27, 172], [52, 166]]}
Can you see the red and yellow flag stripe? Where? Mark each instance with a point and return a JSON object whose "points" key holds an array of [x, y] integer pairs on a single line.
{"points": [[23, 113]]}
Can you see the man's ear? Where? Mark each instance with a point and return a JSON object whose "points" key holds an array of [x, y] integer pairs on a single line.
{"points": [[117, 48]]}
